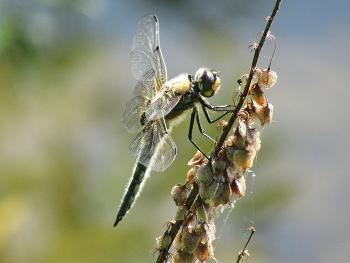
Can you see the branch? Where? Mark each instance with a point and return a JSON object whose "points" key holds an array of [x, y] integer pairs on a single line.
{"points": [[249, 80], [175, 227]]}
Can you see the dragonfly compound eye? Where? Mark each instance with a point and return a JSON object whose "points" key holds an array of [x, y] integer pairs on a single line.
{"points": [[208, 81]]}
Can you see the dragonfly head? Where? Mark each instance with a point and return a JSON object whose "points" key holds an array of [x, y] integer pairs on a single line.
{"points": [[208, 81]]}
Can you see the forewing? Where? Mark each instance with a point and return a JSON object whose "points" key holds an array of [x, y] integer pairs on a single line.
{"points": [[148, 67], [154, 147], [146, 58]]}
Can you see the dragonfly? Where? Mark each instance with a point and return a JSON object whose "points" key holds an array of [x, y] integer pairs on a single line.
{"points": [[156, 105]]}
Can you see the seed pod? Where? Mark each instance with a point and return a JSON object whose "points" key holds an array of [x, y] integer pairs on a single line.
{"points": [[238, 186], [222, 194], [190, 175], [181, 213], [240, 134], [230, 172], [258, 94], [190, 239], [230, 151], [264, 114], [251, 112], [219, 165], [202, 213], [253, 138], [244, 158], [178, 241], [197, 160], [217, 193], [183, 257], [163, 242], [204, 251], [179, 193], [204, 175], [267, 78]]}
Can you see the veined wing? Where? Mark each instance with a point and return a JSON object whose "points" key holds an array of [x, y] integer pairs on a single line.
{"points": [[154, 147], [134, 118], [148, 67], [161, 106], [146, 58]]}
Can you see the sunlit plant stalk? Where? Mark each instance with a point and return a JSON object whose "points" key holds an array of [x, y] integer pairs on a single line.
{"points": [[210, 186]]}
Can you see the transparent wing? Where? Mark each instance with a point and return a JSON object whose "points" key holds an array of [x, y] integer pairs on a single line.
{"points": [[148, 67], [146, 58], [134, 117], [154, 147], [161, 106]]}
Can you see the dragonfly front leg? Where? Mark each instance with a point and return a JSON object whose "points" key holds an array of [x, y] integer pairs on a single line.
{"points": [[208, 117]]}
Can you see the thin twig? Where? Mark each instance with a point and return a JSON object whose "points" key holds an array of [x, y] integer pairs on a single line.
{"points": [[244, 250], [176, 227], [251, 74]]}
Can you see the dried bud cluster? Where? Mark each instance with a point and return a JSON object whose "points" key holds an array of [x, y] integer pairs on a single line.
{"points": [[220, 179]]}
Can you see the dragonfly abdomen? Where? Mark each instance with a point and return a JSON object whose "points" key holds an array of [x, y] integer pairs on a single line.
{"points": [[133, 191]]}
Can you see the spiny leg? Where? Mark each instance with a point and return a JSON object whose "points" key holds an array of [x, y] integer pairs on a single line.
{"points": [[194, 116], [208, 117]]}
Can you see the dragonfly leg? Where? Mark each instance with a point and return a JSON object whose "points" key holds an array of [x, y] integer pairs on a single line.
{"points": [[208, 117], [194, 116]]}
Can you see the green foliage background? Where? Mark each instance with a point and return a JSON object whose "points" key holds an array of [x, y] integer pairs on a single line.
{"points": [[64, 80]]}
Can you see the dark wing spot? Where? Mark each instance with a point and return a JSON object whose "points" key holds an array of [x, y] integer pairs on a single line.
{"points": [[143, 119]]}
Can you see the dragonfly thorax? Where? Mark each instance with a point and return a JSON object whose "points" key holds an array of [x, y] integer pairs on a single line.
{"points": [[179, 85]]}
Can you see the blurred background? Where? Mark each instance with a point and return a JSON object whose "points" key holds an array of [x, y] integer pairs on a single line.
{"points": [[65, 77]]}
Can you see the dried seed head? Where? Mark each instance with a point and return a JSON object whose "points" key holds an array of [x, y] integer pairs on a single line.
{"points": [[223, 195], [190, 239], [240, 133], [163, 242], [179, 193], [204, 251], [183, 257], [258, 94], [217, 193], [201, 211], [238, 186], [230, 172], [264, 114], [253, 138], [207, 231], [170, 223], [267, 78], [230, 151], [190, 175], [219, 165], [188, 220], [181, 213], [204, 175], [230, 141], [178, 241], [198, 160], [251, 112], [243, 158]]}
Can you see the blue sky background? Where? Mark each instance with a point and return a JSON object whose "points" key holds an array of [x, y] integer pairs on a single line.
{"points": [[65, 77]]}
